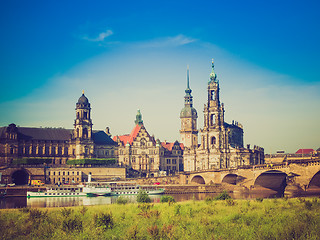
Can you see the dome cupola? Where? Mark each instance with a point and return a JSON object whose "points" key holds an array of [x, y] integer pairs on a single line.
{"points": [[83, 102]]}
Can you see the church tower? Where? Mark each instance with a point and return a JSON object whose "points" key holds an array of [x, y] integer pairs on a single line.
{"points": [[188, 116], [213, 111], [83, 122], [82, 134], [212, 136]]}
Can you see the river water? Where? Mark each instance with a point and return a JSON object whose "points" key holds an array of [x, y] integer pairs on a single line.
{"points": [[20, 202]]}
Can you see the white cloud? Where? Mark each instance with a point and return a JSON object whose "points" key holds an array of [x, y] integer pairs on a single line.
{"points": [[101, 37], [178, 40]]}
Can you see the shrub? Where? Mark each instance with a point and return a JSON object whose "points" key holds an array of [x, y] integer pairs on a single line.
{"points": [[36, 215], [104, 220], [230, 202], [308, 205], [164, 233], [92, 161], [25, 209], [143, 197], [168, 199], [66, 212], [223, 196], [122, 200], [154, 232], [208, 199], [83, 210], [177, 209], [259, 199], [71, 224]]}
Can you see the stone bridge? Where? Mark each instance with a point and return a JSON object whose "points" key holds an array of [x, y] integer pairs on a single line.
{"points": [[272, 176]]}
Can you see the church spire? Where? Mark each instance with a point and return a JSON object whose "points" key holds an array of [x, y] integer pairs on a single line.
{"points": [[188, 97], [213, 76], [188, 76]]}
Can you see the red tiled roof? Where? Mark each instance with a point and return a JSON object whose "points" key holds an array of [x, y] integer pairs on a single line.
{"points": [[305, 151], [129, 138], [169, 146]]}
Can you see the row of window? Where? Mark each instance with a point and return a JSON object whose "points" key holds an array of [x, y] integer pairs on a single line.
{"points": [[64, 173], [106, 153], [171, 161], [40, 150], [65, 180]]}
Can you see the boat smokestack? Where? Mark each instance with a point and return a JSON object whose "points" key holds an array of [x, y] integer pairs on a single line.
{"points": [[89, 177]]}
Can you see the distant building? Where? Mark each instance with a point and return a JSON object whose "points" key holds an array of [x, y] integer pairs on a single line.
{"points": [[221, 144], [305, 151], [57, 144], [141, 152]]}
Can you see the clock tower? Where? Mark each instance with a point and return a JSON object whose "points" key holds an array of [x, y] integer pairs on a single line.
{"points": [[188, 116]]}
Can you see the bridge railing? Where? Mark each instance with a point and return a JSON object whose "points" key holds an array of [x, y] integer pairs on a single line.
{"points": [[308, 162]]}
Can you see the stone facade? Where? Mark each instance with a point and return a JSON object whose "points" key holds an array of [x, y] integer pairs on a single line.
{"points": [[221, 144], [143, 153], [77, 175], [57, 144]]}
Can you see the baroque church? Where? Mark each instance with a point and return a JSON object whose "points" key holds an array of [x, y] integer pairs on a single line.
{"points": [[221, 144], [143, 153], [57, 144]]}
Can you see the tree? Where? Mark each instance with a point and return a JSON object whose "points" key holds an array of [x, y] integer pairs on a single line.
{"points": [[143, 197]]}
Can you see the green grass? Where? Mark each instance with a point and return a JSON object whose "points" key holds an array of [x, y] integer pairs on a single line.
{"points": [[214, 219]]}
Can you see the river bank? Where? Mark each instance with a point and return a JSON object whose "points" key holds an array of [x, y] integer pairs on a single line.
{"points": [[297, 218]]}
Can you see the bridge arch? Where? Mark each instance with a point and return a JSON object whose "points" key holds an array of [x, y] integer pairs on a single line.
{"points": [[230, 178], [233, 178], [20, 176], [198, 179], [315, 180], [273, 179]]}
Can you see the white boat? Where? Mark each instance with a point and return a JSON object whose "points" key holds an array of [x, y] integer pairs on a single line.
{"points": [[94, 189], [91, 189], [62, 191], [129, 188]]}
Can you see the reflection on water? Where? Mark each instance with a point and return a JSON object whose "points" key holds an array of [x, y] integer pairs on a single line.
{"points": [[19, 202], [79, 201], [13, 202]]}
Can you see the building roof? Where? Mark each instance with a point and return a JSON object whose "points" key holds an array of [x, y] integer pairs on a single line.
{"points": [[102, 138], [51, 134], [305, 151], [55, 134], [129, 138], [169, 146]]}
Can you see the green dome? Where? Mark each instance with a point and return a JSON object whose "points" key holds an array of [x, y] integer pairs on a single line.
{"points": [[188, 112]]}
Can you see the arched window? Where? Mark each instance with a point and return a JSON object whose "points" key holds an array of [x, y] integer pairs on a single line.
{"points": [[212, 95], [212, 119], [65, 151], [85, 133], [213, 140]]}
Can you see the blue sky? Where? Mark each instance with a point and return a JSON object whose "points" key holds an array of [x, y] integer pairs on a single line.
{"points": [[134, 54]]}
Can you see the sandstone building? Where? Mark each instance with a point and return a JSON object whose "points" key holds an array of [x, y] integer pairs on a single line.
{"points": [[57, 144], [141, 152], [221, 144]]}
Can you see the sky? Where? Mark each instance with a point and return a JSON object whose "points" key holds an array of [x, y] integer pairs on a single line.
{"points": [[129, 55]]}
